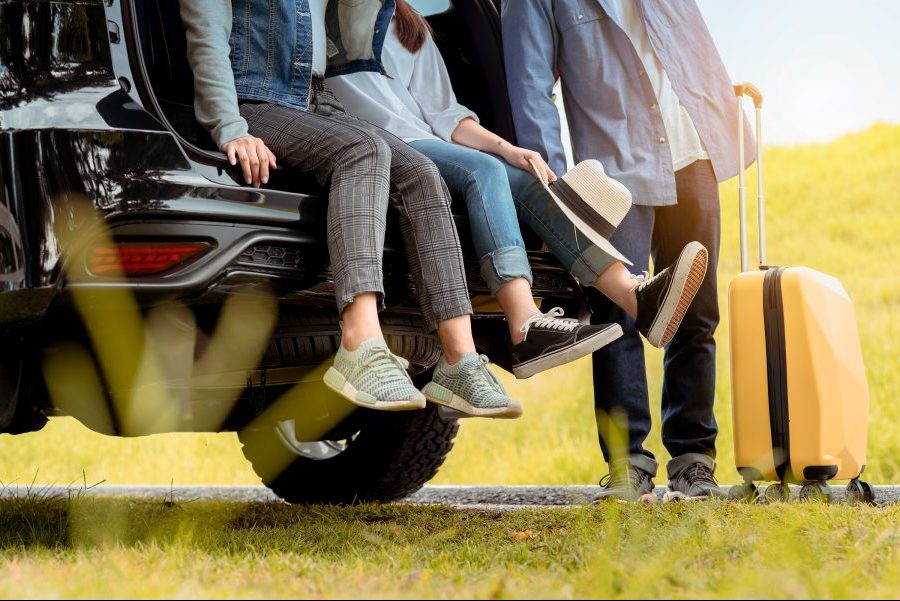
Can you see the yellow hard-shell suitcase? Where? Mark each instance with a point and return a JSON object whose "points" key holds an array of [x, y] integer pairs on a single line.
{"points": [[799, 391]]}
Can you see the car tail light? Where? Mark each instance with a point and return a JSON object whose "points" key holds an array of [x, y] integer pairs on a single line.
{"points": [[141, 258]]}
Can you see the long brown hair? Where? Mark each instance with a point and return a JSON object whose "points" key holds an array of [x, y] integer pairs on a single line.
{"points": [[412, 28]]}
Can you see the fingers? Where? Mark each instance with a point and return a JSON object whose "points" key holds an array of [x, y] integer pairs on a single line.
{"points": [[544, 167], [254, 157], [551, 176], [530, 156], [245, 164], [253, 160], [262, 156]]}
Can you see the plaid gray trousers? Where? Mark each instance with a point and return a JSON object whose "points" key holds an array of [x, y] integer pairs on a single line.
{"points": [[365, 168]]}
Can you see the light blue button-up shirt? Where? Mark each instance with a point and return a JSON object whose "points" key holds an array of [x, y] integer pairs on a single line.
{"points": [[606, 92]]}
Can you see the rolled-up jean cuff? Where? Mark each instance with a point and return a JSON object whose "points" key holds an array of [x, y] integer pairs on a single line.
{"points": [[447, 310], [504, 265], [592, 262], [676, 464], [642, 462]]}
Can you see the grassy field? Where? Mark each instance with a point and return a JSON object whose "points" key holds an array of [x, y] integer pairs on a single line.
{"points": [[128, 549], [834, 207]]}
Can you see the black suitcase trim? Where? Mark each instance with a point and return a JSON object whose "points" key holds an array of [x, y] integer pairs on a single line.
{"points": [[776, 371]]}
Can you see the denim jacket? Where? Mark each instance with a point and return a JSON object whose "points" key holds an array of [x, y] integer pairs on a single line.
{"points": [[262, 50], [608, 99]]}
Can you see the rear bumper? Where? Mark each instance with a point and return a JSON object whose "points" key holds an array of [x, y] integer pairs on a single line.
{"points": [[139, 185]]}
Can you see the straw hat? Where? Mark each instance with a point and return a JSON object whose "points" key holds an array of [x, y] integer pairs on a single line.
{"points": [[594, 202]]}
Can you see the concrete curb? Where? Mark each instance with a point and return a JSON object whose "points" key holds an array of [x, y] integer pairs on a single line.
{"points": [[472, 497]]}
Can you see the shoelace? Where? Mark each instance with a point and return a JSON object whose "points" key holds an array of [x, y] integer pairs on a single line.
{"points": [[630, 477], [698, 473], [552, 319], [382, 360], [641, 281]]}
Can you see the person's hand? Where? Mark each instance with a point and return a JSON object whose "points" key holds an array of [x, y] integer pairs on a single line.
{"points": [[255, 158], [522, 158]]}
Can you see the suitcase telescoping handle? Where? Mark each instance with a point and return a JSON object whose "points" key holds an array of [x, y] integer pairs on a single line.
{"points": [[741, 90]]}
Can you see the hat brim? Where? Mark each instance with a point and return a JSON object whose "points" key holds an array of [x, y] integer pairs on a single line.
{"points": [[586, 230]]}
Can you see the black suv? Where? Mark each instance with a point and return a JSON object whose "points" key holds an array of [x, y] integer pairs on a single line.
{"points": [[96, 104]]}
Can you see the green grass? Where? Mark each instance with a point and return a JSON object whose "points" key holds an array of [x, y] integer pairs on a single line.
{"points": [[100, 548], [834, 207]]}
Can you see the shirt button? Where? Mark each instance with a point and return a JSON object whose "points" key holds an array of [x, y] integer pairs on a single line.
{"points": [[580, 17], [653, 106], [662, 140], [642, 72]]}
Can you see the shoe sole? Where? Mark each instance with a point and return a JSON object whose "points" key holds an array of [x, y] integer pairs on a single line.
{"points": [[336, 381], [445, 397], [568, 354], [648, 498], [686, 282], [674, 496]]}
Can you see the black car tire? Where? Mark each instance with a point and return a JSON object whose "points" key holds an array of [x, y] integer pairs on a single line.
{"points": [[390, 456], [10, 381], [308, 337], [18, 414]]}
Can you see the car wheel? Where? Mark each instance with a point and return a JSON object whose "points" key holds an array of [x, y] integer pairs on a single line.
{"points": [[18, 414], [373, 457], [10, 381]]}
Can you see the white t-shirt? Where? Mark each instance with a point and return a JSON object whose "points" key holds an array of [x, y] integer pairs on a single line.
{"points": [[319, 44], [684, 141], [414, 102]]}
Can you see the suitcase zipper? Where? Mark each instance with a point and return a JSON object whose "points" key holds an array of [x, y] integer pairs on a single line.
{"points": [[776, 372]]}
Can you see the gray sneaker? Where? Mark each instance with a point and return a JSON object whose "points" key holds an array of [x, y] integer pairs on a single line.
{"points": [[471, 388], [694, 480], [374, 377], [628, 483]]}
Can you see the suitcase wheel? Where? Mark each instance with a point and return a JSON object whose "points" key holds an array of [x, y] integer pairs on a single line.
{"points": [[777, 493], [815, 492], [860, 492], [744, 493]]}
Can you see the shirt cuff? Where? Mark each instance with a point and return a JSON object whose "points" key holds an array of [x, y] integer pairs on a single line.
{"points": [[229, 131]]}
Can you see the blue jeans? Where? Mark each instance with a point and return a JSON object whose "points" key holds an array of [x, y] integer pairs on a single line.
{"points": [[689, 379], [480, 180], [495, 193]]}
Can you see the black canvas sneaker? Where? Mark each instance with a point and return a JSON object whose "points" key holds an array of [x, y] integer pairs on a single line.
{"points": [[552, 340], [663, 299]]}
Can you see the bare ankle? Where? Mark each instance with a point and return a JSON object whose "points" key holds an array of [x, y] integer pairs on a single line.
{"points": [[515, 326], [360, 321], [455, 335], [452, 357], [630, 303], [351, 340]]}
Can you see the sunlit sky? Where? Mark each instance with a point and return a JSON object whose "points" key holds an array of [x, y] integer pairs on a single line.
{"points": [[826, 67]]}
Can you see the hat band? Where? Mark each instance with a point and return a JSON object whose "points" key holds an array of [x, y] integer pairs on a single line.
{"points": [[583, 210]]}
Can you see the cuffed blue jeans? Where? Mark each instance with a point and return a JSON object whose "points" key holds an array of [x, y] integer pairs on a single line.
{"points": [[497, 195], [480, 180]]}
